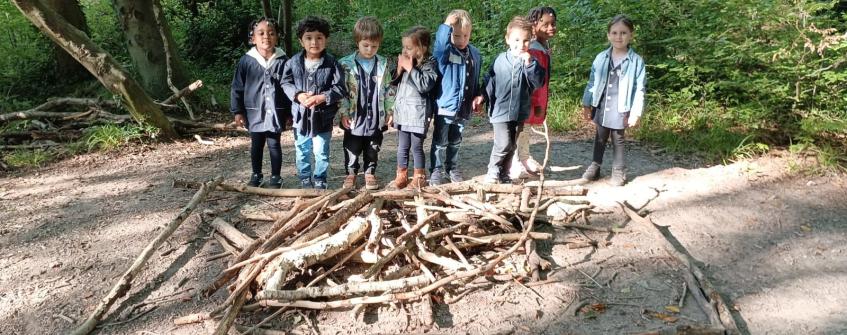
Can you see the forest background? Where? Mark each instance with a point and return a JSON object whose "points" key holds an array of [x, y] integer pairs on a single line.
{"points": [[727, 79]]}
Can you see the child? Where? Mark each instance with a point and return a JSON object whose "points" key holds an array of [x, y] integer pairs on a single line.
{"points": [[614, 97], [314, 82], [543, 20], [513, 76], [416, 78], [459, 63], [257, 102], [366, 114]]}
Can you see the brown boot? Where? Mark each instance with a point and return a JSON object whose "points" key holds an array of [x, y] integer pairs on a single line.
{"points": [[418, 179], [349, 181], [402, 178], [371, 182]]}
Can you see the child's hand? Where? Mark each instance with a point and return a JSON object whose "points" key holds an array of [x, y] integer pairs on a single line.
{"points": [[302, 97], [240, 121], [525, 56], [632, 121], [476, 104], [404, 62], [586, 113], [315, 100], [451, 20], [345, 122], [538, 112]]}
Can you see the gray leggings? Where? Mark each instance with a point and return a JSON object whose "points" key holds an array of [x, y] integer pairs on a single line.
{"points": [[600, 139]]}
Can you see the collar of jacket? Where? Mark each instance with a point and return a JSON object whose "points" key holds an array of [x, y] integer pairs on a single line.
{"points": [[266, 63]]}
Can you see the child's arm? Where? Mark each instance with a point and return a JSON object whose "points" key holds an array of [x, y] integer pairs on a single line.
{"points": [[534, 73], [587, 96], [345, 107], [336, 91], [288, 85], [389, 92], [440, 50], [540, 95], [424, 77], [489, 94], [640, 90], [236, 105]]}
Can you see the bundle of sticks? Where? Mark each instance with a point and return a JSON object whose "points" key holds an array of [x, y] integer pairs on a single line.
{"points": [[386, 247]]}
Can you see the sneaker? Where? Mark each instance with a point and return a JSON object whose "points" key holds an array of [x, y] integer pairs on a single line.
{"points": [[371, 183], [505, 179], [274, 182], [306, 183], [436, 177], [349, 181], [255, 180], [592, 172], [618, 177], [321, 184], [456, 176], [531, 166]]}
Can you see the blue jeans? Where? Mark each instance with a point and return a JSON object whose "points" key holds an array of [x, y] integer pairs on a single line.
{"points": [[305, 147], [446, 139]]}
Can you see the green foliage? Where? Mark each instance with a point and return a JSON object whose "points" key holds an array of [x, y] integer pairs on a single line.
{"points": [[28, 158], [110, 136]]}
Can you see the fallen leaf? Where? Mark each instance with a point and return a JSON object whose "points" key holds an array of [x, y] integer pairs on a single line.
{"points": [[672, 309], [806, 228]]}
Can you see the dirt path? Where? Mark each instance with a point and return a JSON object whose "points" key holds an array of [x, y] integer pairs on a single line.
{"points": [[774, 244]]}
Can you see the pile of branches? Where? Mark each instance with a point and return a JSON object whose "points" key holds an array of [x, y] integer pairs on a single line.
{"points": [[393, 246], [64, 120]]}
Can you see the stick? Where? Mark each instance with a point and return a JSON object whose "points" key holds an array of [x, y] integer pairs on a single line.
{"points": [[183, 92], [337, 265], [710, 300], [239, 239], [123, 285], [343, 289], [592, 228]]}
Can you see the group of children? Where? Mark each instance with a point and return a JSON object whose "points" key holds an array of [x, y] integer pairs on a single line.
{"points": [[428, 84]]}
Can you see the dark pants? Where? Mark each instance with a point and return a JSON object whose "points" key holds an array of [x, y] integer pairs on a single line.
{"points": [[257, 147], [601, 137], [413, 142], [367, 146], [505, 144], [446, 139]]}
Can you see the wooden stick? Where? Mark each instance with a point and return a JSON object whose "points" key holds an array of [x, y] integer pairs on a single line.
{"points": [[226, 276], [226, 230], [123, 285], [714, 305], [337, 265], [183, 92], [289, 193], [333, 223], [592, 228], [343, 289]]}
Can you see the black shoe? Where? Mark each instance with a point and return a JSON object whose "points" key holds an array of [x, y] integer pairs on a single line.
{"points": [[506, 179], [255, 180], [321, 184], [274, 182], [306, 183]]}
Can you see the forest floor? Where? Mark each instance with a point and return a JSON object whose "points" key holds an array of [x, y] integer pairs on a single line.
{"points": [[772, 240]]}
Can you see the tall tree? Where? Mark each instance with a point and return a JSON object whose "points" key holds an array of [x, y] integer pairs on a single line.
{"points": [[98, 62], [266, 8], [147, 49], [67, 68], [285, 7]]}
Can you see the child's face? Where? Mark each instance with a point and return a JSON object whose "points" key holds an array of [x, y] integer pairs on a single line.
{"points": [[264, 36], [518, 41], [410, 49], [460, 37], [368, 48], [545, 28], [619, 36], [314, 43]]}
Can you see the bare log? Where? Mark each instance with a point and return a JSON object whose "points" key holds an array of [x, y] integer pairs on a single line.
{"points": [[343, 289], [183, 92], [307, 256], [482, 240], [333, 223], [238, 238], [287, 193], [123, 285]]}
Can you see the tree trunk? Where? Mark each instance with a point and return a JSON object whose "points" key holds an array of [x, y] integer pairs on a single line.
{"points": [[67, 68], [285, 23], [266, 8], [98, 62], [147, 49]]}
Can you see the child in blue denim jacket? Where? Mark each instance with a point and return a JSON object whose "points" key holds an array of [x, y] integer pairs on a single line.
{"points": [[614, 97]]}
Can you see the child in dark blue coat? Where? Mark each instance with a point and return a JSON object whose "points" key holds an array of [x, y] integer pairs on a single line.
{"points": [[257, 100]]}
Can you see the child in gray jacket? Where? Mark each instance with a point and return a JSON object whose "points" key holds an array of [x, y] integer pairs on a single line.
{"points": [[513, 76], [416, 77]]}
